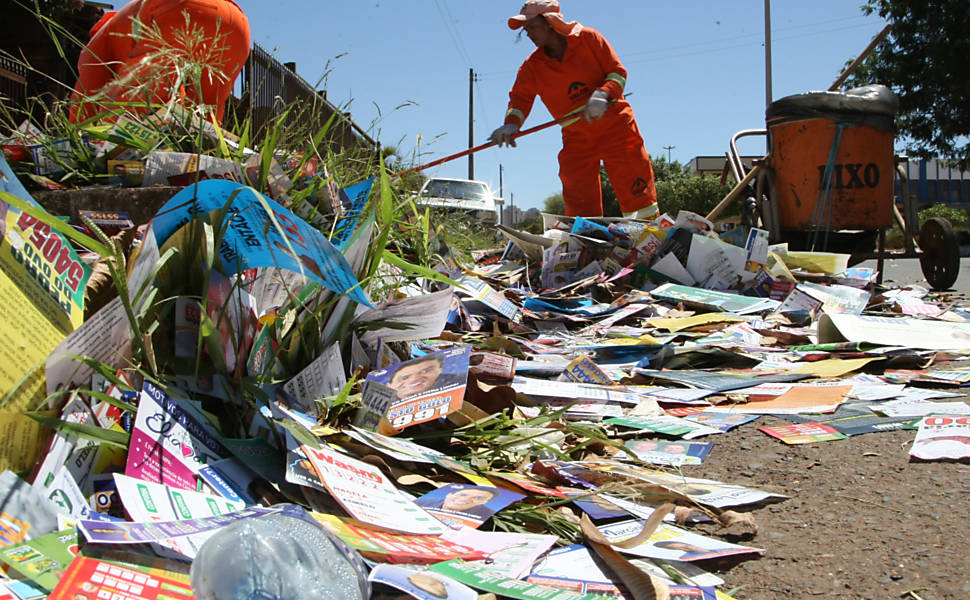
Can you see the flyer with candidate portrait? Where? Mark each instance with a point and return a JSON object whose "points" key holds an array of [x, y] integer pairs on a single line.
{"points": [[457, 504], [421, 583], [662, 452], [426, 388]]}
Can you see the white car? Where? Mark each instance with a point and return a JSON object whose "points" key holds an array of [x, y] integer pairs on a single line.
{"points": [[462, 194]]}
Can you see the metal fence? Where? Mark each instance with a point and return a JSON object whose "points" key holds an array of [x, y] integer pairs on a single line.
{"points": [[13, 82], [269, 87]]}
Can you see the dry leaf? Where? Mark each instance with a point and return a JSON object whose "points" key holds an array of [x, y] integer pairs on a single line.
{"points": [[649, 527], [682, 514], [413, 479], [740, 524], [640, 585], [491, 399]]}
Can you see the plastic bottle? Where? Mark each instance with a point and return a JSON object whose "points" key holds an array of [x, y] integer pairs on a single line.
{"points": [[279, 556]]}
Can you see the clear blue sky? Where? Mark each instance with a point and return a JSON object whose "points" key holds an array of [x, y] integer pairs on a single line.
{"points": [[696, 70]]}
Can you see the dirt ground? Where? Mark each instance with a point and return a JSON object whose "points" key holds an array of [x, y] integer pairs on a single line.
{"points": [[861, 521]]}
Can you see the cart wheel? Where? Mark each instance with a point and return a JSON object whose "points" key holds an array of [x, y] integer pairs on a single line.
{"points": [[750, 215], [940, 253]]}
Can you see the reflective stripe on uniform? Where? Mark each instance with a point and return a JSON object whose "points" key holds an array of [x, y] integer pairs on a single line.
{"points": [[618, 79], [514, 112]]}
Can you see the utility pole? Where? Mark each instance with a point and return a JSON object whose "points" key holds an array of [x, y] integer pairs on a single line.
{"points": [[511, 209], [471, 123], [501, 197], [767, 53], [668, 149], [768, 64]]}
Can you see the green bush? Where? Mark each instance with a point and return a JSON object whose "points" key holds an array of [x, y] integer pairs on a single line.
{"points": [[958, 217]]}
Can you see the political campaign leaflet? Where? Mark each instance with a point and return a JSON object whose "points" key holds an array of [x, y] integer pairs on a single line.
{"points": [[458, 505], [400, 548], [920, 408], [261, 233], [62, 490], [182, 168], [596, 506], [574, 567], [509, 554], [409, 318], [322, 378], [672, 543], [104, 336], [703, 491], [823, 397], [803, 433], [27, 513], [367, 494], [168, 445], [482, 578], [130, 532], [427, 388], [540, 388], [722, 421], [421, 583], [942, 437], [661, 452], [398, 448], [891, 331], [146, 501], [837, 298], [582, 369], [714, 300], [90, 579], [43, 560], [666, 425], [42, 282]]}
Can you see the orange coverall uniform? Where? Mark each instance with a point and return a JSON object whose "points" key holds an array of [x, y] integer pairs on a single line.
{"points": [[118, 44], [589, 63]]}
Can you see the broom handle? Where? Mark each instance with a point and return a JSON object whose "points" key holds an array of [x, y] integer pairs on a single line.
{"points": [[451, 157]]}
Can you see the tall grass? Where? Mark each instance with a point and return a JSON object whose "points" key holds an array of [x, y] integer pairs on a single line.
{"points": [[402, 244], [298, 134]]}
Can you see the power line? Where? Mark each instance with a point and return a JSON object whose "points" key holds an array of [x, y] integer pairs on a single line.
{"points": [[756, 36], [699, 47], [455, 38], [659, 55]]}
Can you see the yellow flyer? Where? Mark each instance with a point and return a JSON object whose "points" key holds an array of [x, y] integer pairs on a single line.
{"points": [[42, 283]]}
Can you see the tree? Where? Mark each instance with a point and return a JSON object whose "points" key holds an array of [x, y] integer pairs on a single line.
{"points": [[554, 205], [924, 61], [677, 189]]}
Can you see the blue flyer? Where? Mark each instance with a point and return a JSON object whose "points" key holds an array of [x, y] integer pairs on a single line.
{"points": [[253, 239]]}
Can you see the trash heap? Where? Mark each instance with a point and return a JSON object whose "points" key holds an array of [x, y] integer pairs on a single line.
{"points": [[265, 408]]}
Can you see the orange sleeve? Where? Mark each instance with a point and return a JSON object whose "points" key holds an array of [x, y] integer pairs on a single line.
{"points": [[564, 87], [614, 80], [523, 95]]}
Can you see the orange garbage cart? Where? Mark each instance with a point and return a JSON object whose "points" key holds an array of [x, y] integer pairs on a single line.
{"points": [[829, 180]]}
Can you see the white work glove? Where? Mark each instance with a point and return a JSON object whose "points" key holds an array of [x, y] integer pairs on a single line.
{"points": [[596, 105], [646, 213], [504, 134]]}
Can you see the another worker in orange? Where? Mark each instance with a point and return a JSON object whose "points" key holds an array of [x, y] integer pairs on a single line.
{"points": [[574, 70], [134, 55]]}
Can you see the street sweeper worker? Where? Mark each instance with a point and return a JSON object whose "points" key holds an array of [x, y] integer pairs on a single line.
{"points": [[137, 53], [574, 70]]}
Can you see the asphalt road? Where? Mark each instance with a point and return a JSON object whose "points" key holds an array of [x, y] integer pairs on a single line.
{"points": [[906, 271]]}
